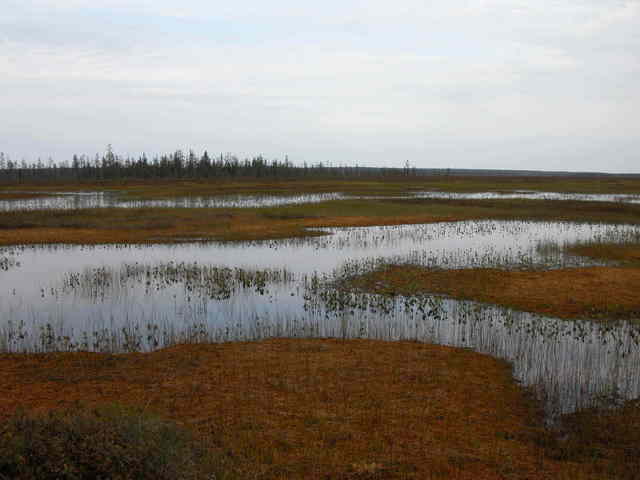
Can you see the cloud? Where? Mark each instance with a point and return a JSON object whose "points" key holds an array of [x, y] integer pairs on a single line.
{"points": [[347, 79]]}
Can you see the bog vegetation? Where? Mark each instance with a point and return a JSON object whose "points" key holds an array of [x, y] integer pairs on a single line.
{"points": [[232, 398]]}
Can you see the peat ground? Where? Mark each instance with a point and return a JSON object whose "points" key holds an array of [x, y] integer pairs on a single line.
{"points": [[295, 408]]}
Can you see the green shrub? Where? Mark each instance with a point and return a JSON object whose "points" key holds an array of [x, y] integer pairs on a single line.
{"points": [[110, 442]]}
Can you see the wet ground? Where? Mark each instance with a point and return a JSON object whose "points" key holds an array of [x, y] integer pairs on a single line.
{"points": [[123, 297]]}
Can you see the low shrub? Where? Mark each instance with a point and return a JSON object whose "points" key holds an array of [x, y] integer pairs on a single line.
{"points": [[111, 442]]}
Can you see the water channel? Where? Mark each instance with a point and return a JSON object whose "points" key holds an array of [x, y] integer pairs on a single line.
{"points": [[80, 200]]}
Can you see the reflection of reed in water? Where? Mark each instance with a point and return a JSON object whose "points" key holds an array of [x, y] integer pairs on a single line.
{"points": [[570, 364], [187, 293], [203, 281], [8, 262], [82, 200]]}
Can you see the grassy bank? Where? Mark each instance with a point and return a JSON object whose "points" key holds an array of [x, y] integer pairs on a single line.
{"points": [[601, 292], [594, 292], [154, 225], [336, 409], [162, 188], [157, 225]]}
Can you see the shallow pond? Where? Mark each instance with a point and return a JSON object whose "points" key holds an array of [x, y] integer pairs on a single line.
{"points": [[80, 200], [119, 298], [533, 195]]}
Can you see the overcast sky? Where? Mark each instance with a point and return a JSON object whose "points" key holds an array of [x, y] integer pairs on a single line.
{"points": [[516, 84]]}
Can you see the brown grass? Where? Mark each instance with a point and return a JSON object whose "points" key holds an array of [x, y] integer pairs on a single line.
{"points": [[163, 188], [524, 209], [170, 225], [329, 408], [592, 292], [158, 225]]}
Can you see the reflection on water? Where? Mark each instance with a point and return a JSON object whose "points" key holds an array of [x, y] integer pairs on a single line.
{"points": [[569, 364], [79, 200], [141, 297], [532, 195], [7, 262]]}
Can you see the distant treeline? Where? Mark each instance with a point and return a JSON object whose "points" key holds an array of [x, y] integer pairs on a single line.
{"points": [[189, 165], [176, 165]]}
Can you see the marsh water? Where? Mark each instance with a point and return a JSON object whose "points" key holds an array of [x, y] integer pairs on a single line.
{"points": [[533, 195], [127, 297], [80, 200]]}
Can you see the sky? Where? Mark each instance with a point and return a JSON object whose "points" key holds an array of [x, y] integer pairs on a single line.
{"points": [[504, 84]]}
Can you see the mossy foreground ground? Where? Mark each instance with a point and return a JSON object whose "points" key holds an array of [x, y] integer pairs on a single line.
{"points": [[323, 409]]}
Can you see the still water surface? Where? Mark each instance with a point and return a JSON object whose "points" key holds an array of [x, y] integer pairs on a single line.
{"points": [[80, 200], [143, 297], [533, 195]]}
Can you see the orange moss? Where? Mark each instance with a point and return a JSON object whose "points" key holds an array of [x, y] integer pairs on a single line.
{"points": [[310, 408], [282, 409], [353, 409], [174, 225], [594, 292]]}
